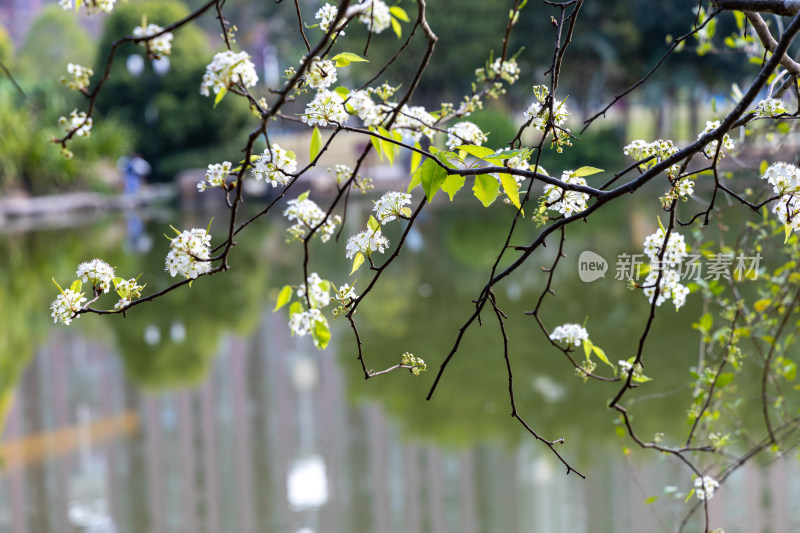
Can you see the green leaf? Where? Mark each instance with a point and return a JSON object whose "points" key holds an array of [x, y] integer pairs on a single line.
{"points": [[587, 349], [373, 224], [316, 144], [416, 159], [76, 286], [510, 187], [788, 229], [358, 260], [586, 171], [295, 308], [321, 334], [762, 304], [415, 180], [601, 355], [477, 151], [344, 92], [432, 177], [284, 297], [453, 184], [486, 189], [303, 196], [399, 13], [220, 96], [376, 143], [725, 379], [345, 58], [398, 30], [651, 499], [387, 147]]}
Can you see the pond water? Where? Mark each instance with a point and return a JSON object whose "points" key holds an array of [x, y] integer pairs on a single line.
{"points": [[201, 413]]}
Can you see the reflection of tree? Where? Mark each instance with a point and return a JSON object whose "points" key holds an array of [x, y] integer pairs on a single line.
{"points": [[172, 344], [474, 403]]}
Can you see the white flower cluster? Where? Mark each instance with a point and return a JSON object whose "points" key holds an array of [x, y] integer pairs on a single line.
{"points": [[565, 201], [226, 69], [366, 242], [377, 16], [704, 487], [97, 272], [275, 166], [188, 254], [326, 15], [539, 113], [216, 175], [344, 295], [710, 149], [326, 107], [308, 215], [157, 46], [320, 74], [80, 77], [785, 181], [318, 291], [508, 70], [342, 172], [360, 104], [570, 334], [128, 289], [79, 122], [675, 252], [390, 206], [92, 6], [416, 363], [66, 305], [770, 107], [659, 150], [303, 322], [464, 132], [666, 268], [415, 122]]}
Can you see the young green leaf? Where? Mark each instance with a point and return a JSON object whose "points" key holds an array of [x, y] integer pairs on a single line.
{"points": [[586, 171], [398, 30], [399, 13], [316, 144], [76, 286], [486, 189], [284, 297], [453, 184], [387, 147], [373, 224], [511, 189], [345, 58], [601, 355], [358, 260], [321, 334], [477, 151], [432, 177], [220, 96]]}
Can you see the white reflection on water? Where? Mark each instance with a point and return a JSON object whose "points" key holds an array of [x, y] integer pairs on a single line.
{"points": [[307, 484]]}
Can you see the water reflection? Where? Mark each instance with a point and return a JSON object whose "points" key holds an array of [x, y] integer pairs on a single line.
{"points": [[200, 413]]}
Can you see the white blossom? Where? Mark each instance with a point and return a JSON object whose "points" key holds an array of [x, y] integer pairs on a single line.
{"points": [[704, 487], [360, 103], [226, 69], [92, 6], [320, 74], [128, 289], [326, 107], [770, 107], [415, 122], [188, 254], [158, 46], [97, 272], [66, 305], [308, 215], [275, 166], [571, 334], [376, 17], [783, 177], [508, 70], [216, 175], [670, 287], [658, 150], [390, 206], [710, 149], [318, 291], [366, 242], [539, 112], [464, 132], [79, 122], [675, 250], [303, 323], [326, 15], [566, 201], [79, 79]]}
